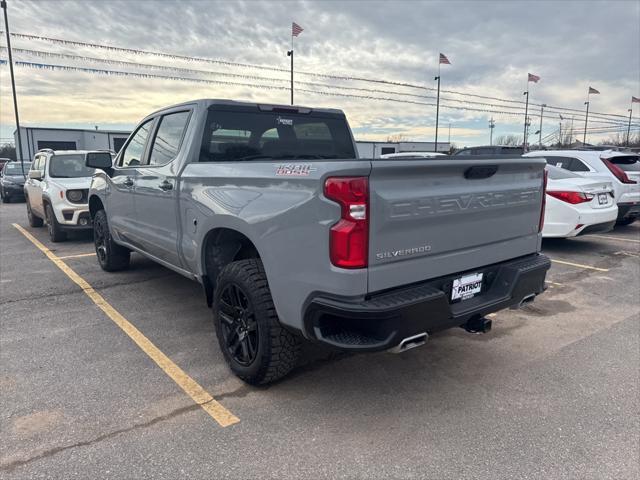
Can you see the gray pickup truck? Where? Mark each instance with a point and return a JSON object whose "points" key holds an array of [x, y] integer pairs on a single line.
{"points": [[294, 237]]}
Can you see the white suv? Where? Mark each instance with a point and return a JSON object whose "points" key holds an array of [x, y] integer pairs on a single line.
{"points": [[56, 192], [620, 168]]}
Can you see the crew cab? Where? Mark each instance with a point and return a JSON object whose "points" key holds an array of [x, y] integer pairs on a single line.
{"points": [[295, 238]]}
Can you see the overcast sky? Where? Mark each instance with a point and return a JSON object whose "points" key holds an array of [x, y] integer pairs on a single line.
{"points": [[491, 45]]}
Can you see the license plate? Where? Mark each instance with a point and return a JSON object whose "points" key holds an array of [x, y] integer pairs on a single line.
{"points": [[602, 198], [466, 287]]}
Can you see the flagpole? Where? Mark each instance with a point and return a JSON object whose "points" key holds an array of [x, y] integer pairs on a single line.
{"points": [[3, 4], [291, 55], [435, 148], [526, 113], [629, 125], [586, 119]]}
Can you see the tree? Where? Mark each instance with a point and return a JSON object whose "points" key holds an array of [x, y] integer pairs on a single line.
{"points": [[620, 140], [8, 151], [397, 137], [510, 140]]}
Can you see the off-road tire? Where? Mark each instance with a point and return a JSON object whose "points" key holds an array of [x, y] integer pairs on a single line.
{"points": [[111, 256], [278, 349], [34, 221], [56, 234]]}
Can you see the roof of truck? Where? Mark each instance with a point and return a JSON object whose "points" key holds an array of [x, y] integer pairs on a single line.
{"points": [[207, 102]]}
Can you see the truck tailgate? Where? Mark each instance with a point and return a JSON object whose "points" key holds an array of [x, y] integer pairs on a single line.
{"points": [[430, 218]]}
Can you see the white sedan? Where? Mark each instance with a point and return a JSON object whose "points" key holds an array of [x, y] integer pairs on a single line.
{"points": [[577, 205]]}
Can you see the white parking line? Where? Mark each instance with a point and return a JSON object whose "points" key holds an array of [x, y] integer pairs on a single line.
{"points": [[78, 255], [617, 239], [579, 265]]}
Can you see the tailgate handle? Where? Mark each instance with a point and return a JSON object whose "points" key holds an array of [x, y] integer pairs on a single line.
{"points": [[484, 171]]}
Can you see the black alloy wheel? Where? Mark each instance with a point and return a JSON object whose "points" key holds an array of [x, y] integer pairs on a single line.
{"points": [[239, 325]]}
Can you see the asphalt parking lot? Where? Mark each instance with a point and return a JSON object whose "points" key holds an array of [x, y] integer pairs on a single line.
{"points": [[551, 392]]}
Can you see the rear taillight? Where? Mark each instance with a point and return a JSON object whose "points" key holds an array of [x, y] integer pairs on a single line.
{"points": [[349, 238], [545, 174], [572, 197], [619, 173]]}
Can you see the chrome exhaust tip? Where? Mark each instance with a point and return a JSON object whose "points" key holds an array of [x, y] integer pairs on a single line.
{"points": [[528, 299], [410, 342]]}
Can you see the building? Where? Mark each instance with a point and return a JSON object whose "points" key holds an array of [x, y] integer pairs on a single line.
{"points": [[375, 149], [37, 138]]}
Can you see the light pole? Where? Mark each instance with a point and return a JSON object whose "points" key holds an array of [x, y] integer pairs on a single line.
{"points": [[3, 4], [540, 131], [629, 126], [492, 125]]}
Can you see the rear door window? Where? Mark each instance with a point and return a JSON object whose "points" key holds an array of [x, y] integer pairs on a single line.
{"points": [[168, 139], [560, 162], [577, 165]]}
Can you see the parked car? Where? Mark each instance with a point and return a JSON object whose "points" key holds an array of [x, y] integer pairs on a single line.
{"points": [[413, 155], [56, 191], [577, 205], [3, 162], [489, 150], [12, 180], [294, 237], [622, 169]]}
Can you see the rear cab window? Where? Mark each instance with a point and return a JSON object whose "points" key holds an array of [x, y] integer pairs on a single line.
{"points": [[253, 134]]}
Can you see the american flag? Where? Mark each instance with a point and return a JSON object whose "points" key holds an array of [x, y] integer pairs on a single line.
{"points": [[593, 90], [296, 29], [635, 100], [444, 60], [533, 78]]}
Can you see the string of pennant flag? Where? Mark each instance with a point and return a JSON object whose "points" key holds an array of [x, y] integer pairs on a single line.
{"points": [[344, 77], [616, 121], [215, 73]]}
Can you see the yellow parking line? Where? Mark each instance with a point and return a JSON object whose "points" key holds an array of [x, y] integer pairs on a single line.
{"points": [[556, 284], [618, 239], [198, 394], [579, 265], [78, 255]]}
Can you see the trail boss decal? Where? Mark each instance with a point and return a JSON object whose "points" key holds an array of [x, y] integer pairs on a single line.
{"points": [[284, 121], [295, 169]]}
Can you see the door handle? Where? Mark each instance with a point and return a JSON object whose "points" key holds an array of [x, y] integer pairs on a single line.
{"points": [[166, 186], [128, 182]]}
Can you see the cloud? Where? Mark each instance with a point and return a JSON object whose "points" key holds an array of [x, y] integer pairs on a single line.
{"points": [[492, 46]]}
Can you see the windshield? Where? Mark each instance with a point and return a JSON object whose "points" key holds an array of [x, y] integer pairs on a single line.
{"points": [[14, 168], [69, 166], [254, 135]]}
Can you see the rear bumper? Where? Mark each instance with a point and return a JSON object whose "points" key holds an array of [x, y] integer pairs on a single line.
{"points": [[380, 321], [13, 190], [628, 210]]}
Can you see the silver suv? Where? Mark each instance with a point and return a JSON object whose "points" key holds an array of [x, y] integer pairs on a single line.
{"points": [[56, 191]]}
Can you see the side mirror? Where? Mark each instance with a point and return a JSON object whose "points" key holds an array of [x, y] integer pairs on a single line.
{"points": [[101, 160], [35, 174]]}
